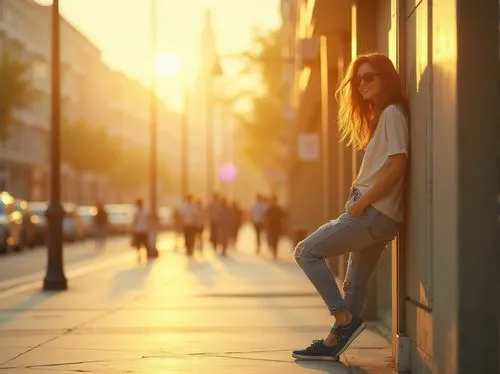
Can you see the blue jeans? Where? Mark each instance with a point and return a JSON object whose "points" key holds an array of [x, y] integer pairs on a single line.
{"points": [[365, 237]]}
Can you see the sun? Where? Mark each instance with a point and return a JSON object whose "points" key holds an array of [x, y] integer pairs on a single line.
{"points": [[168, 65]]}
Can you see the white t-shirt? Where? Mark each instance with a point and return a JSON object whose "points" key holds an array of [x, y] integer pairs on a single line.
{"points": [[141, 221], [391, 137], [189, 214], [259, 210]]}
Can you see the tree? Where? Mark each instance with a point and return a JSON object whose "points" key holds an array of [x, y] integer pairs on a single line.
{"points": [[74, 145], [88, 148], [92, 149], [16, 90], [132, 168], [104, 157], [261, 127]]}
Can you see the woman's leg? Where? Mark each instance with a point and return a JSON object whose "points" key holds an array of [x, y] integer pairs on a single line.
{"points": [[346, 234], [337, 237], [360, 270]]}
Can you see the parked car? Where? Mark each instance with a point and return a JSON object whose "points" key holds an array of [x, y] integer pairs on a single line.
{"points": [[120, 218], [10, 224], [73, 227], [86, 214], [37, 210], [28, 228]]}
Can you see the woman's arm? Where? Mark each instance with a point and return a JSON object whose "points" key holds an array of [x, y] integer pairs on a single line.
{"points": [[393, 170]]}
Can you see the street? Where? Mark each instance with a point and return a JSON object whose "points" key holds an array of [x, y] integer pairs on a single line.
{"points": [[29, 265], [32, 262]]}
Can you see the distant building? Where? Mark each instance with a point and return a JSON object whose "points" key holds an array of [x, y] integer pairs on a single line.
{"points": [[201, 111], [90, 92]]}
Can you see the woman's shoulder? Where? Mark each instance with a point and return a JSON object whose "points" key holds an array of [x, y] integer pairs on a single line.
{"points": [[393, 109], [394, 112]]}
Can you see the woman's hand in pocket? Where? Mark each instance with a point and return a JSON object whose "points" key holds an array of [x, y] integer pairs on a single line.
{"points": [[357, 208]]}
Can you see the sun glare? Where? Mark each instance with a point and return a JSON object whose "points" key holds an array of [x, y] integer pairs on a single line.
{"points": [[168, 65]]}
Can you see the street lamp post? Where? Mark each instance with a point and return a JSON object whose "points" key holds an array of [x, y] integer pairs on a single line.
{"points": [[184, 145], [153, 129], [55, 279], [216, 70], [210, 140]]}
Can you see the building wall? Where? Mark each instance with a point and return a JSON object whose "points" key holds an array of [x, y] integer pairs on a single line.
{"points": [[306, 213], [448, 252], [24, 28], [441, 265], [418, 241]]}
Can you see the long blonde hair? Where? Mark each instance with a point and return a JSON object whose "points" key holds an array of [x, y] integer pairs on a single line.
{"points": [[357, 117]]}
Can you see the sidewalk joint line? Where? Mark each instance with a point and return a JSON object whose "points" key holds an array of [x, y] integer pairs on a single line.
{"points": [[215, 354]]}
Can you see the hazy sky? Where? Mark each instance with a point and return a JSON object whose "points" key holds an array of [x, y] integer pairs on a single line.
{"points": [[121, 30]]}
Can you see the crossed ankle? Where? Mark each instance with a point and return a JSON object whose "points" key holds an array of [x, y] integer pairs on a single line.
{"points": [[343, 318]]}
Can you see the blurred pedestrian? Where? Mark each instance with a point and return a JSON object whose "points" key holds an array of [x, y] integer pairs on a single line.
{"points": [[224, 225], [140, 225], [257, 214], [236, 222], [177, 227], [200, 223], [100, 222], [274, 225], [213, 213], [153, 228], [188, 213]]}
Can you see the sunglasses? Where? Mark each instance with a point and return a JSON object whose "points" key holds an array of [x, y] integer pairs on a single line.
{"points": [[366, 77]]}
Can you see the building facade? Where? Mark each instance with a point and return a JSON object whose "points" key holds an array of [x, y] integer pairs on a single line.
{"points": [[91, 93], [440, 274]]}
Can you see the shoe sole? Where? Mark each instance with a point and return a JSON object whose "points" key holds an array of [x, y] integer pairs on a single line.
{"points": [[356, 333], [314, 358]]}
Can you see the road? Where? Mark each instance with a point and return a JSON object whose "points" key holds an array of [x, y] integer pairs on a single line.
{"points": [[29, 265]]}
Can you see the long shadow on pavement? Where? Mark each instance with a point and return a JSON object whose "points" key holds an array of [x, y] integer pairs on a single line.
{"points": [[324, 366], [248, 265], [33, 300], [202, 269], [130, 279]]}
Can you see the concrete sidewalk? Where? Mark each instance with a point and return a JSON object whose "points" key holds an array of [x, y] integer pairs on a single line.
{"points": [[241, 314]]}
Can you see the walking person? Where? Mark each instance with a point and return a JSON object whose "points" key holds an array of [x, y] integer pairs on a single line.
{"points": [[236, 222], [188, 212], [100, 226], [200, 224], [140, 225], [177, 228], [213, 213], [258, 212], [153, 228], [224, 225], [274, 225], [373, 116]]}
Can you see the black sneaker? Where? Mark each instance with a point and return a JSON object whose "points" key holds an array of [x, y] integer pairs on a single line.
{"points": [[346, 334], [316, 351]]}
